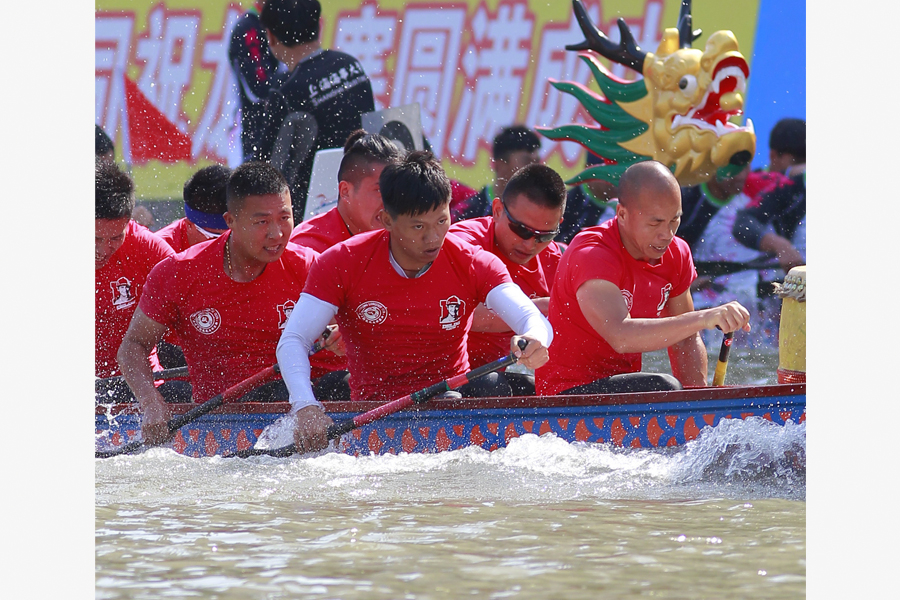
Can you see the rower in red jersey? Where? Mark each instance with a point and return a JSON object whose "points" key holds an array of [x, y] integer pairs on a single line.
{"points": [[520, 230], [226, 299], [404, 299], [623, 288], [204, 205], [358, 210]]}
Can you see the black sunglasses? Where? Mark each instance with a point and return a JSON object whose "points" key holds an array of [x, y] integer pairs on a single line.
{"points": [[525, 232]]}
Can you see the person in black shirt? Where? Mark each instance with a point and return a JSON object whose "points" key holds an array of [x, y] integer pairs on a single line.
{"points": [[319, 104], [255, 70]]}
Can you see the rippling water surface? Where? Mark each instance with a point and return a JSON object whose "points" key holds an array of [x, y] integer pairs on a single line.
{"points": [[722, 517]]}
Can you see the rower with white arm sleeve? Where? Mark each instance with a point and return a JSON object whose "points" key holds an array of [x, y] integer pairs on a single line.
{"points": [[404, 300]]}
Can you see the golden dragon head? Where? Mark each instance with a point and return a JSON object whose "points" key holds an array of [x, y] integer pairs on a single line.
{"points": [[678, 114]]}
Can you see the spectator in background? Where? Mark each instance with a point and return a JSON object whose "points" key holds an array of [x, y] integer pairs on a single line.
{"points": [[587, 204], [104, 150], [255, 69], [520, 231], [709, 212], [319, 104], [204, 207], [514, 147], [124, 254], [775, 222]]}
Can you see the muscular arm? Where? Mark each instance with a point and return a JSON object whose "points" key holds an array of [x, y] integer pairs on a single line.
{"points": [[687, 357], [142, 336], [601, 303]]}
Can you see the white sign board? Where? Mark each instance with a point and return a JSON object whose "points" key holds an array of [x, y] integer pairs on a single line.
{"points": [[402, 124], [323, 183]]}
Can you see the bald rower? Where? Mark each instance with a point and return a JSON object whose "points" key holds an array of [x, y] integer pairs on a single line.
{"points": [[623, 288]]}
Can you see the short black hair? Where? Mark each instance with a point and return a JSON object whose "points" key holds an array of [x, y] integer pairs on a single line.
{"points": [[103, 144], [205, 190], [363, 150], [254, 178], [292, 21], [540, 184], [789, 137], [113, 192], [515, 138], [414, 186]]}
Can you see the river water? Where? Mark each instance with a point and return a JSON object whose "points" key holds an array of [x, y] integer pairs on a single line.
{"points": [[722, 517]]}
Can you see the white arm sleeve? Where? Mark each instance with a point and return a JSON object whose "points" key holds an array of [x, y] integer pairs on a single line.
{"points": [[308, 320], [514, 307]]}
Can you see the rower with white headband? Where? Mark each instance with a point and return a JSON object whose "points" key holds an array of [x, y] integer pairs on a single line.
{"points": [[204, 205]]}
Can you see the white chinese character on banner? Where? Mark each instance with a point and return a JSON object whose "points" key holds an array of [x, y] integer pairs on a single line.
{"points": [[426, 66], [167, 51], [112, 46], [494, 64], [368, 34], [215, 135]]}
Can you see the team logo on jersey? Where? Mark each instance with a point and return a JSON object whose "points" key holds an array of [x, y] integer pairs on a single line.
{"points": [[122, 296], [665, 298], [206, 321], [451, 312], [372, 312], [628, 298], [284, 313]]}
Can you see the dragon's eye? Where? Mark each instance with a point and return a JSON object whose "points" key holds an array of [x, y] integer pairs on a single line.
{"points": [[688, 85]]}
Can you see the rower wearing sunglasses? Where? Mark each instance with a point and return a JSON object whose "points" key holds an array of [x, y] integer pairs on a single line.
{"points": [[520, 230]]}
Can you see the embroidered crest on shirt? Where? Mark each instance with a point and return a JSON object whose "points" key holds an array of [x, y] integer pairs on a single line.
{"points": [[121, 292], [284, 313], [451, 312], [665, 298], [629, 299], [373, 312], [206, 321]]}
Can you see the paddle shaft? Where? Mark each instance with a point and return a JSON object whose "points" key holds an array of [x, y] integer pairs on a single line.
{"points": [[336, 430], [233, 393], [718, 268], [173, 373], [722, 364]]}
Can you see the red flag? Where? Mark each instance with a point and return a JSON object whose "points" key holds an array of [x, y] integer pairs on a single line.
{"points": [[151, 135]]}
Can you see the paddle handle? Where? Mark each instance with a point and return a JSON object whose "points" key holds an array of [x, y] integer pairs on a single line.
{"points": [[336, 430], [722, 364]]}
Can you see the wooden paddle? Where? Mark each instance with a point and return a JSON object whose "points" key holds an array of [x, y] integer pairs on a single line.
{"points": [[336, 430], [722, 365], [233, 393], [722, 267], [173, 373]]}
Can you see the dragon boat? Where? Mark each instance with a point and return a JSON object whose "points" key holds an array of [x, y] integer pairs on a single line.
{"points": [[636, 420]]}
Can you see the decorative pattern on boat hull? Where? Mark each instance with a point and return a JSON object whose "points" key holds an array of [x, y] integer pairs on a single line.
{"points": [[635, 425]]}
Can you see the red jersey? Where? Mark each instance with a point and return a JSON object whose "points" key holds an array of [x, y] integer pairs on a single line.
{"points": [[228, 330], [579, 355], [322, 231], [175, 234], [117, 288], [403, 334], [534, 278]]}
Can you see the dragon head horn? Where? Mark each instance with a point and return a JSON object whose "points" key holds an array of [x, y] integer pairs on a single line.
{"points": [[626, 52], [686, 36]]}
